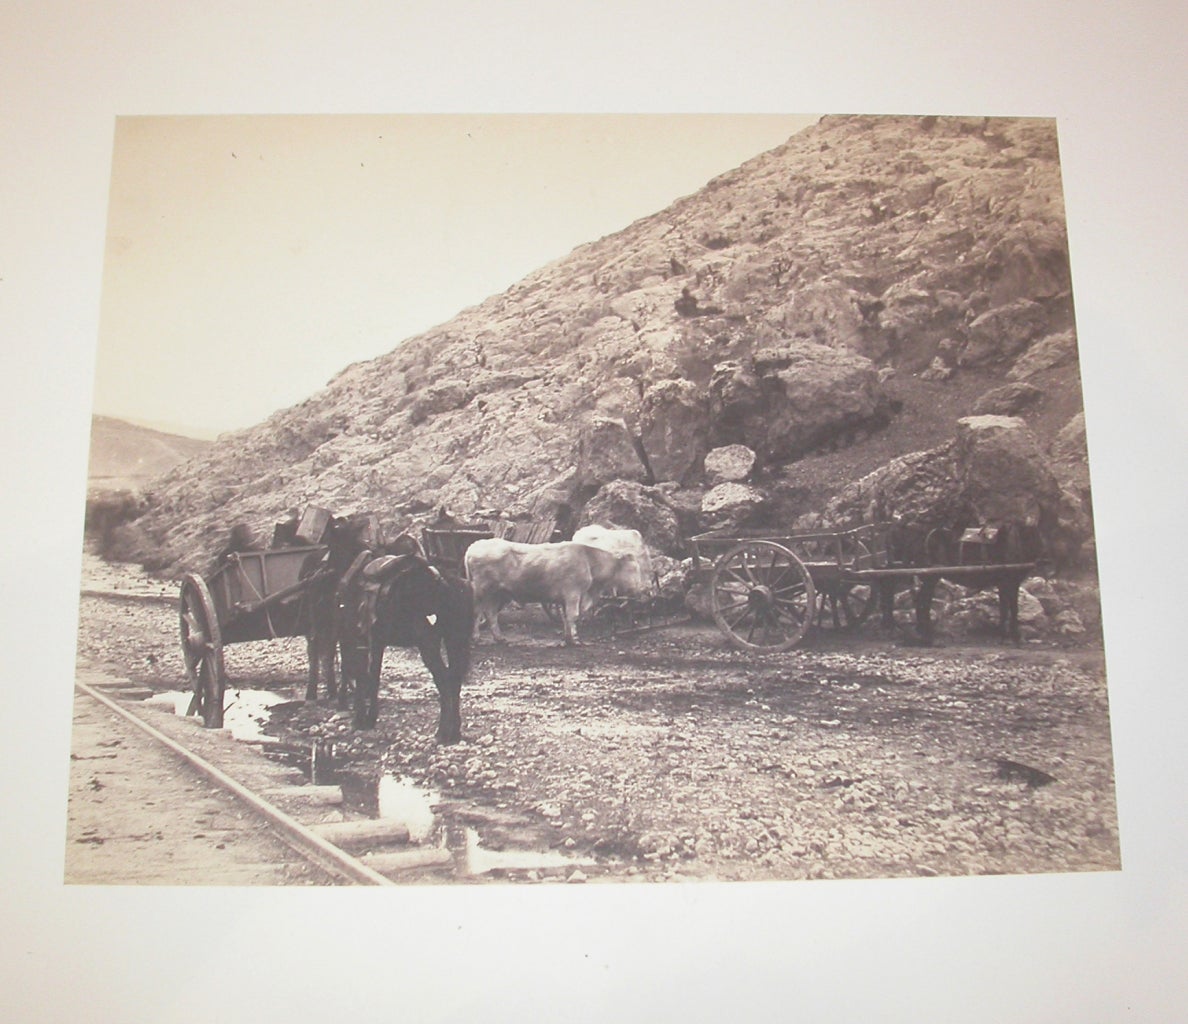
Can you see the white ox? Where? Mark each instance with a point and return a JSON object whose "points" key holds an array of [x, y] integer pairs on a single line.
{"points": [[618, 542], [566, 574]]}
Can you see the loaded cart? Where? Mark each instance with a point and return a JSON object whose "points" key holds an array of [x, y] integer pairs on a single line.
{"points": [[767, 591], [250, 595]]}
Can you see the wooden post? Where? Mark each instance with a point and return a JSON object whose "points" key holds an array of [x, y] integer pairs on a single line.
{"points": [[363, 833]]}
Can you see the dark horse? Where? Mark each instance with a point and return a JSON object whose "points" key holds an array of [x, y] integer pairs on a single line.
{"points": [[390, 596], [1001, 557]]}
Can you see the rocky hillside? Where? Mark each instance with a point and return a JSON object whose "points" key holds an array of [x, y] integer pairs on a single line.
{"points": [[822, 310]]}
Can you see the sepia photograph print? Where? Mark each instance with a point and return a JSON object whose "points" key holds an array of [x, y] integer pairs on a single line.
{"points": [[553, 499]]}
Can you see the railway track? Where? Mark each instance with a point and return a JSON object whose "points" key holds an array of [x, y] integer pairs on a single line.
{"points": [[308, 819]]}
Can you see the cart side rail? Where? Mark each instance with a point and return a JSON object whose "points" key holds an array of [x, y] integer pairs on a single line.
{"points": [[252, 578], [858, 548]]}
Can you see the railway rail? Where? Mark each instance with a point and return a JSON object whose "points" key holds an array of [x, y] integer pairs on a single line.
{"points": [[330, 846]]}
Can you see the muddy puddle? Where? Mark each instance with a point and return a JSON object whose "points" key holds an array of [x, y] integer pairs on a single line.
{"points": [[506, 848], [246, 715], [479, 849], [479, 860], [245, 712]]}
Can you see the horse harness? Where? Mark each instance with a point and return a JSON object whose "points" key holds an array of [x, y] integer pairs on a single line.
{"points": [[378, 576]]}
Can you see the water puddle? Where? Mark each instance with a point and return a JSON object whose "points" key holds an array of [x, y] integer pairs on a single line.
{"points": [[245, 712], [402, 798], [478, 860], [429, 824], [490, 850]]}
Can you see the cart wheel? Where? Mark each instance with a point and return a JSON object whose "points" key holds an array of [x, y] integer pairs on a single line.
{"points": [[762, 595], [202, 649]]}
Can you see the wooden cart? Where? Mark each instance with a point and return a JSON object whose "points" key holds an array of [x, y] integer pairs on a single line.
{"points": [[767, 590], [251, 595]]}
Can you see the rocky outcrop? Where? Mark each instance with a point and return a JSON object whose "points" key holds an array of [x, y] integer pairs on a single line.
{"points": [[792, 399], [606, 452], [1046, 354], [994, 471], [1007, 400], [1001, 332], [674, 430]]}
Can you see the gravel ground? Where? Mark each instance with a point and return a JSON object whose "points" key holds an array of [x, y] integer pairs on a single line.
{"points": [[668, 755]]}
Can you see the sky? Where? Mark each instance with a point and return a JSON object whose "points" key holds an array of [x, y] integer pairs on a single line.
{"points": [[249, 259]]}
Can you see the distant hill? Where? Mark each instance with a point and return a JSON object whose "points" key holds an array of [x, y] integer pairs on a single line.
{"points": [[125, 456]]}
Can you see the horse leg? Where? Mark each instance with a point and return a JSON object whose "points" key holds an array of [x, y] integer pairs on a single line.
{"points": [[454, 616], [352, 656], [923, 602], [320, 647], [448, 681], [1008, 610], [367, 686], [313, 651], [830, 594], [329, 675]]}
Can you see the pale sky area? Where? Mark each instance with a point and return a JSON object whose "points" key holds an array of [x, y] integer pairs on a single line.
{"points": [[249, 259]]}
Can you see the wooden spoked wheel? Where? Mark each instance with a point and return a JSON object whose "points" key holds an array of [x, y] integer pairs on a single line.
{"points": [[762, 596], [202, 650]]}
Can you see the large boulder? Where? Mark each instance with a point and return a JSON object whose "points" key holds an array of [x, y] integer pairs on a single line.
{"points": [[793, 399], [1007, 400], [1045, 354], [674, 429], [1003, 331], [730, 464], [732, 505], [632, 506], [606, 452], [1003, 473]]}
